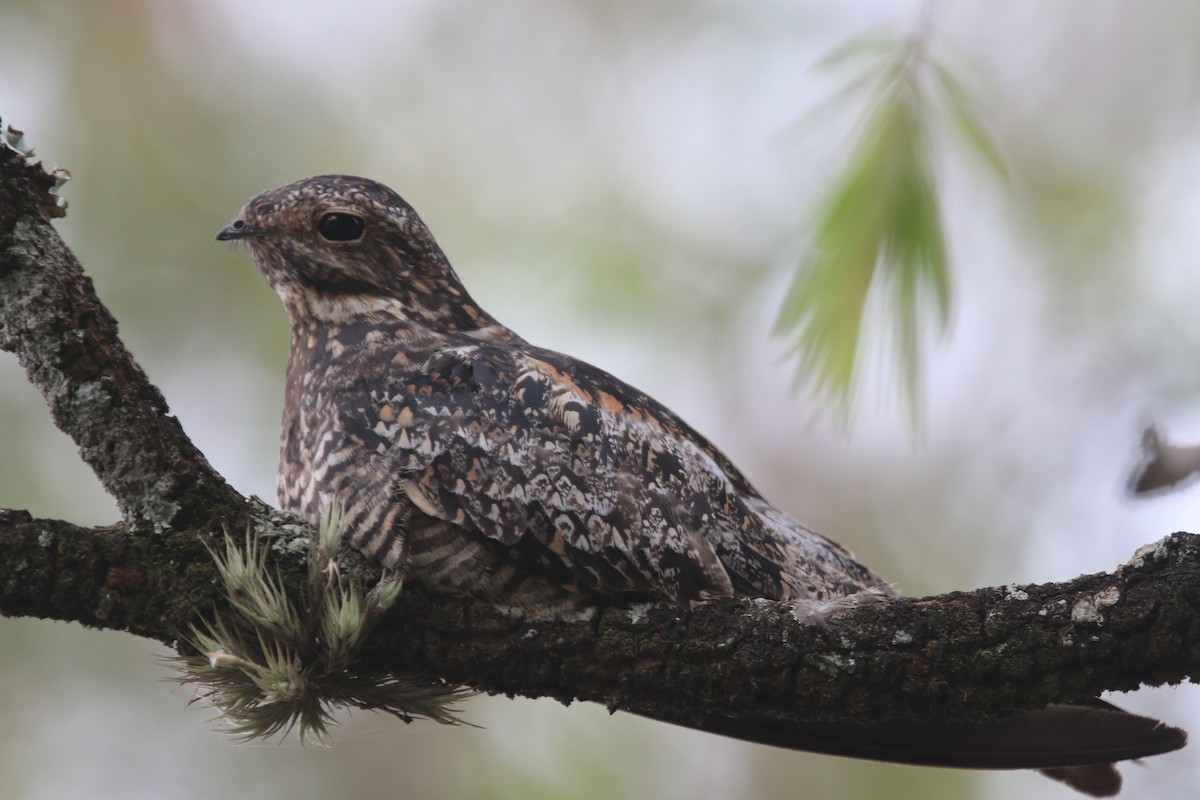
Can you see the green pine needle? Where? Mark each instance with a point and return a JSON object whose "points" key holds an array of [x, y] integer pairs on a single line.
{"points": [[878, 235]]}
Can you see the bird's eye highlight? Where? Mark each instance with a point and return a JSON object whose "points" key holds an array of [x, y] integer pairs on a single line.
{"points": [[339, 227]]}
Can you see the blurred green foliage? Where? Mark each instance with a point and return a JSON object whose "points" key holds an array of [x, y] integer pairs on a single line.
{"points": [[880, 230]]}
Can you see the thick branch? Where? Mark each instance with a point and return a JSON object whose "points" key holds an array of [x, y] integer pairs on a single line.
{"points": [[989, 651], [986, 652]]}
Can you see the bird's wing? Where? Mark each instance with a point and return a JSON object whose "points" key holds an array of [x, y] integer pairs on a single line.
{"points": [[589, 482]]}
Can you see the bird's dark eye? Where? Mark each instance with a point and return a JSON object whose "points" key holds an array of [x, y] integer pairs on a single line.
{"points": [[340, 227]]}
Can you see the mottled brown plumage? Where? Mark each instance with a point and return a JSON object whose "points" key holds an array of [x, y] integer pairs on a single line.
{"points": [[475, 462], [469, 459]]}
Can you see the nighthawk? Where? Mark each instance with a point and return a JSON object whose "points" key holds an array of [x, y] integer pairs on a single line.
{"points": [[474, 462]]}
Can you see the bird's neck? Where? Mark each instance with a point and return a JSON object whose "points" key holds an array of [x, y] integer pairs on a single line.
{"points": [[445, 306], [323, 333], [328, 329]]}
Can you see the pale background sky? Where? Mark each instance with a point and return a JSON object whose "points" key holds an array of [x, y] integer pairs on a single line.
{"points": [[628, 182]]}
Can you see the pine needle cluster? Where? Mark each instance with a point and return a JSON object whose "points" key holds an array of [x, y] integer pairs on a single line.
{"points": [[273, 661]]}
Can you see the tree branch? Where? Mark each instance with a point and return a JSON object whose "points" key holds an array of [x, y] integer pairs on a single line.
{"points": [[67, 342], [982, 653], [986, 652]]}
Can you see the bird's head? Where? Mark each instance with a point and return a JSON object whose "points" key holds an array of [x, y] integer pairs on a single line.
{"points": [[336, 246]]}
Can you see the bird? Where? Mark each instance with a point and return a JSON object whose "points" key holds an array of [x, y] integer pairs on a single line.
{"points": [[1163, 466], [473, 462]]}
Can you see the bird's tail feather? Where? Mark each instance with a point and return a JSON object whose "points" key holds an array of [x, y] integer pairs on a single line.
{"points": [[1076, 743]]}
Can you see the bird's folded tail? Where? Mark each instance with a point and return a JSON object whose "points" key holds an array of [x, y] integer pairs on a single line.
{"points": [[1076, 743]]}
